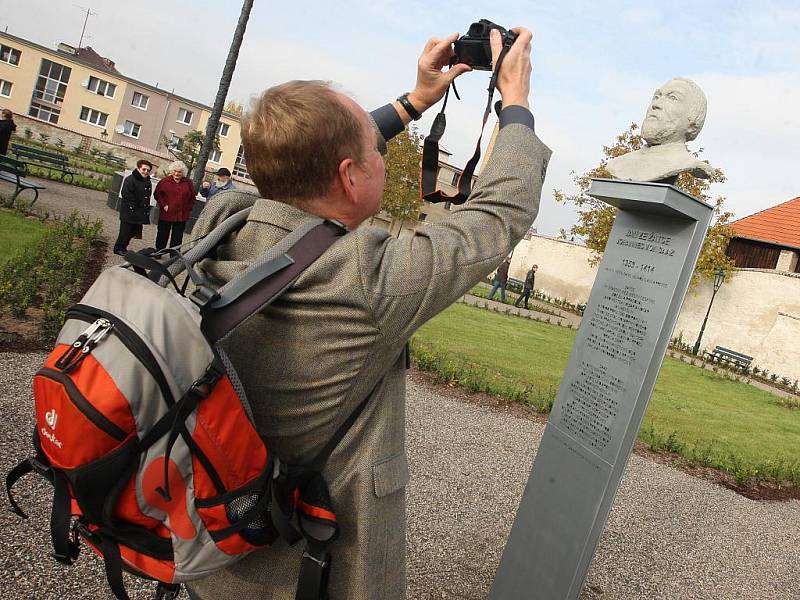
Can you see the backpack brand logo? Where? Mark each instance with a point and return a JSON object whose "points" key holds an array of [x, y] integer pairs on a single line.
{"points": [[51, 417]]}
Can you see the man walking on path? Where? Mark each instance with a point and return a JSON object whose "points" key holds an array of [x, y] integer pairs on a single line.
{"points": [[526, 289], [336, 339], [500, 280]]}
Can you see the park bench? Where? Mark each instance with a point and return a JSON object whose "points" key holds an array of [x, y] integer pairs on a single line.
{"points": [[726, 355], [111, 159], [14, 171], [52, 161]]}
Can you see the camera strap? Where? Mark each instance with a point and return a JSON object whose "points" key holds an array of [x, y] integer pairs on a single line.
{"points": [[430, 150]]}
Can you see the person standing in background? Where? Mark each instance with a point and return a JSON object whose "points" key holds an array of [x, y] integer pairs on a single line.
{"points": [[223, 183], [7, 127], [527, 287], [500, 280], [175, 196], [134, 205]]}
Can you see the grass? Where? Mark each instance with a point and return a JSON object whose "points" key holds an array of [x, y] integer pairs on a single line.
{"points": [[17, 233], [705, 418]]}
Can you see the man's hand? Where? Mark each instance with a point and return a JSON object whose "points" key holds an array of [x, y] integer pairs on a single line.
{"points": [[206, 185], [432, 82], [514, 79]]}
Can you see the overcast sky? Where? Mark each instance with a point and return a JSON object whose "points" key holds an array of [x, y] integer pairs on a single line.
{"points": [[596, 65]]}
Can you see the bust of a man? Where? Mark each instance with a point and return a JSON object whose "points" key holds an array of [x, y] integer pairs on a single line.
{"points": [[674, 117]]}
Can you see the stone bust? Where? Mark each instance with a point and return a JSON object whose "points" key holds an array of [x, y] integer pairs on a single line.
{"points": [[675, 116]]}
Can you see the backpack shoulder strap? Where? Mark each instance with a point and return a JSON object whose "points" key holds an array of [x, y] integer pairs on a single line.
{"points": [[266, 279]]}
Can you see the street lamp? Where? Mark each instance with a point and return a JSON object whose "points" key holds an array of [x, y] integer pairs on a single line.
{"points": [[104, 134], [719, 277]]}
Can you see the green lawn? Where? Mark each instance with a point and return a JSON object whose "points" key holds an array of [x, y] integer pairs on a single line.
{"points": [[706, 418], [17, 232]]}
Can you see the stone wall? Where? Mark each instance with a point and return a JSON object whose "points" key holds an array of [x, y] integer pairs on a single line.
{"points": [[756, 312]]}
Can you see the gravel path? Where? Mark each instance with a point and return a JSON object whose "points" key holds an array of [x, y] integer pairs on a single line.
{"points": [[669, 536]]}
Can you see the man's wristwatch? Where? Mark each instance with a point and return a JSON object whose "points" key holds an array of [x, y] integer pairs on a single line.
{"points": [[409, 108]]}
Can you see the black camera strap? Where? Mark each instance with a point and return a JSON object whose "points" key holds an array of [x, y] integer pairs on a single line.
{"points": [[430, 150]]}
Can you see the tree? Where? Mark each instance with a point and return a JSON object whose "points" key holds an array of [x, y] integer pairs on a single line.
{"points": [[187, 150], [234, 108], [222, 93], [401, 191], [595, 217]]}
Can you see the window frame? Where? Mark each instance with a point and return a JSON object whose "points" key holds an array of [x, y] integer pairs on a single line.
{"points": [[211, 156], [188, 112], [11, 51], [10, 88], [240, 165], [141, 95], [136, 127], [227, 129], [106, 84], [88, 120]]}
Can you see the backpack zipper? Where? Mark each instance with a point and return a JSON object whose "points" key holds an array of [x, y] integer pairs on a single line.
{"points": [[131, 341], [82, 404]]}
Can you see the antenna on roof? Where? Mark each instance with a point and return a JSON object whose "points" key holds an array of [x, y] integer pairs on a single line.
{"points": [[88, 12]]}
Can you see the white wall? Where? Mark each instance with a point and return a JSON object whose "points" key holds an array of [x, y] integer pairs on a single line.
{"points": [[756, 312]]}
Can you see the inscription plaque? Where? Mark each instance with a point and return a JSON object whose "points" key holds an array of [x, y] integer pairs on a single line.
{"points": [[640, 286]]}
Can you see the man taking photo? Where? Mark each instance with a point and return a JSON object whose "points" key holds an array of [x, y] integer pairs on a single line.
{"points": [[338, 335]]}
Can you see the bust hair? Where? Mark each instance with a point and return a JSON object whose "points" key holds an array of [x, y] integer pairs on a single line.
{"points": [[294, 136], [698, 106], [178, 166], [7, 114], [144, 161]]}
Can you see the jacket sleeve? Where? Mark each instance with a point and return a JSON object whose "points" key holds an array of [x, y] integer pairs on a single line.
{"points": [[204, 191], [159, 194], [409, 280], [128, 191]]}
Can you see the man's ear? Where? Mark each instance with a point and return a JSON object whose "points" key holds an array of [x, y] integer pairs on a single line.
{"points": [[347, 178]]}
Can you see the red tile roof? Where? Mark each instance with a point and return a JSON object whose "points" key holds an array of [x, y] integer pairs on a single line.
{"points": [[777, 225], [88, 55]]}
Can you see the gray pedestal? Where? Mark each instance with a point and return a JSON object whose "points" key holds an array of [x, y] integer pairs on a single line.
{"points": [[640, 286]]}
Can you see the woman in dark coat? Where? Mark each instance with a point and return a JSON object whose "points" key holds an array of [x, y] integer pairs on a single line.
{"points": [[134, 206], [7, 127], [175, 195]]}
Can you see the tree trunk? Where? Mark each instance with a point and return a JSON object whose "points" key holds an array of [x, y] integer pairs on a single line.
{"points": [[222, 93]]}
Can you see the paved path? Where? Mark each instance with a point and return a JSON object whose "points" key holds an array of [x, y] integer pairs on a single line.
{"points": [[669, 536]]}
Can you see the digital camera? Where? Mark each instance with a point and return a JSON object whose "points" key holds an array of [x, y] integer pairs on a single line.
{"points": [[473, 49]]}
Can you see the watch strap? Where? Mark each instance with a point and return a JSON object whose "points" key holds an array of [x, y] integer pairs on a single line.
{"points": [[409, 108]]}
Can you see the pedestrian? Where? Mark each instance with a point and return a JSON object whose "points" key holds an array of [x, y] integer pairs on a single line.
{"points": [[527, 286], [222, 183], [7, 127], [500, 280], [175, 196], [134, 205], [337, 337]]}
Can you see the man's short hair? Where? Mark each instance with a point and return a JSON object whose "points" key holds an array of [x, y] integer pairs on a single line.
{"points": [[144, 161], [294, 137]]}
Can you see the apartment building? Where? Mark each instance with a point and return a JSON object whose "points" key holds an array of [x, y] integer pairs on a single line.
{"points": [[80, 91]]}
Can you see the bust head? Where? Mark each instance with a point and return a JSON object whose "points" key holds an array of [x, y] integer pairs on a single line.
{"points": [[676, 113]]}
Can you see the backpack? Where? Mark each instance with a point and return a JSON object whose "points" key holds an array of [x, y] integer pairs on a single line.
{"points": [[144, 430]]}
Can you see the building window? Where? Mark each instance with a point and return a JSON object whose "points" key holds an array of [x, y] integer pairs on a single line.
{"points": [[174, 140], [223, 129], [52, 82], [456, 175], [140, 100], [131, 129], [102, 87], [215, 156], [5, 88], [9, 55], [185, 116], [44, 112], [239, 167], [95, 117]]}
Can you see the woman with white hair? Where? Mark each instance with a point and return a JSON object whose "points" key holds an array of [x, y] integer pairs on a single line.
{"points": [[175, 195]]}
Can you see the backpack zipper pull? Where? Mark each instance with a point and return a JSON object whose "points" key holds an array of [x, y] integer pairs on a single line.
{"points": [[83, 345]]}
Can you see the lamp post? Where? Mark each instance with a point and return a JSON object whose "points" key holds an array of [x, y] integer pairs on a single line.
{"points": [[719, 277], [104, 134]]}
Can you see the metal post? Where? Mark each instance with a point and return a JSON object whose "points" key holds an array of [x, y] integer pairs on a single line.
{"points": [[719, 277]]}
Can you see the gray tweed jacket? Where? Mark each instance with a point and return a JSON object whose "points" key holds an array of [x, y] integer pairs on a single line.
{"points": [[338, 335]]}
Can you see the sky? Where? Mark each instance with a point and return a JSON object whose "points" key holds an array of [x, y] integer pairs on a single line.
{"points": [[595, 67]]}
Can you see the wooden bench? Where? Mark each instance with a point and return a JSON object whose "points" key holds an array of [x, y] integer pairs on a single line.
{"points": [[52, 161], [14, 171], [726, 355], [111, 159]]}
